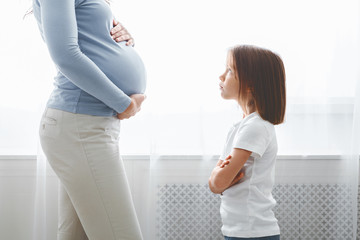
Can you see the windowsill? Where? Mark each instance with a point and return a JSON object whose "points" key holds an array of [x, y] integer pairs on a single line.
{"points": [[188, 157]]}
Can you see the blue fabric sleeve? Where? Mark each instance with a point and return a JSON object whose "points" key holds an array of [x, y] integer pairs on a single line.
{"points": [[60, 34]]}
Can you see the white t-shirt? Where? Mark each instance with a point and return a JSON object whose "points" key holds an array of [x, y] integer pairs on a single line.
{"points": [[246, 208]]}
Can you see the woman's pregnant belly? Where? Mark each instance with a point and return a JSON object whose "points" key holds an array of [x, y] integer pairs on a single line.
{"points": [[120, 63]]}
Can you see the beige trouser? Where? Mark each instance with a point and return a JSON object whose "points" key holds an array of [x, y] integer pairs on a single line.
{"points": [[94, 197]]}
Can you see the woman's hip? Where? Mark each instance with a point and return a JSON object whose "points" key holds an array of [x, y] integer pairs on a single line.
{"points": [[68, 139], [59, 126]]}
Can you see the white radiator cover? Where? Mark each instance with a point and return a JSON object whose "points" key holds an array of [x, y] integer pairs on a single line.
{"points": [[307, 211]]}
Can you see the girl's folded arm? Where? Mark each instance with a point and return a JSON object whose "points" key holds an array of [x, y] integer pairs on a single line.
{"points": [[222, 178]]}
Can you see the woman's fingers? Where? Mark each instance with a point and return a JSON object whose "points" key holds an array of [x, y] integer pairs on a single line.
{"points": [[116, 27], [130, 42], [119, 33], [139, 99], [134, 107]]}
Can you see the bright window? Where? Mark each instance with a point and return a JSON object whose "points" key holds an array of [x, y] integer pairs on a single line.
{"points": [[183, 45]]}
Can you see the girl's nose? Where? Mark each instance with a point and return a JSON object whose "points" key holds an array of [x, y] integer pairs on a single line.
{"points": [[221, 77]]}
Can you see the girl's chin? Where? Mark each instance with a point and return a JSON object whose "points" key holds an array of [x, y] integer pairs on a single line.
{"points": [[224, 95]]}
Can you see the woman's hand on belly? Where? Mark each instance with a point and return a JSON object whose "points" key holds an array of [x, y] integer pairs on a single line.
{"points": [[134, 107], [119, 33]]}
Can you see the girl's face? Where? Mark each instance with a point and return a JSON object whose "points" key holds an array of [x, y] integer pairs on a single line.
{"points": [[229, 84]]}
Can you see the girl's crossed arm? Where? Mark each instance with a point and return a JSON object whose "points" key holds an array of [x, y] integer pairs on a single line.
{"points": [[227, 173]]}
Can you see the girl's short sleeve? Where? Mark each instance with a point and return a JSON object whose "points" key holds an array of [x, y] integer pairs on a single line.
{"points": [[253, 137]]}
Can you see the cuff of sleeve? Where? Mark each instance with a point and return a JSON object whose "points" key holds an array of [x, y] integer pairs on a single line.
{"points": [[124, 105], [255, 152]]}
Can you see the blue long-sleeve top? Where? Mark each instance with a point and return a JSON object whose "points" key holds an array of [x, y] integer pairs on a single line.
{"points": [[96, 75]]}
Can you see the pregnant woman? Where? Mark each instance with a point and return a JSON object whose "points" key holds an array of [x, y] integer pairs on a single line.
{"points": [[99, 82]]}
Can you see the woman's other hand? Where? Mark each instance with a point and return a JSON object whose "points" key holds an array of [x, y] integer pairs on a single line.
{"points": [[133, 108], [119, 34]]}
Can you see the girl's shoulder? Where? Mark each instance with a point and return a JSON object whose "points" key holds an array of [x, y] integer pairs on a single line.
{"points": [[255, 123]]}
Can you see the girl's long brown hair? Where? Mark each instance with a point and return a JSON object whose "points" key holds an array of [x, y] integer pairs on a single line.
{"points": [[261, 72]]}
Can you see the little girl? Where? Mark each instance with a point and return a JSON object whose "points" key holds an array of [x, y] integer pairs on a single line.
{"points": [[244, 175]]}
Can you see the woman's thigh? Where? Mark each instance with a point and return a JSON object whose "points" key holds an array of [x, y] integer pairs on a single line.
{"points": [[83, 150], [69, 225]]}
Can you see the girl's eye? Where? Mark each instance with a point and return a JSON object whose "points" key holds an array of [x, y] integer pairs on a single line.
{"points": [[229, 70]]}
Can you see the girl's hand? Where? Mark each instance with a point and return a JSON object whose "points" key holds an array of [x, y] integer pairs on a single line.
{"points": [[238, 176], [225, 162], [119, 34], [223, 177]]}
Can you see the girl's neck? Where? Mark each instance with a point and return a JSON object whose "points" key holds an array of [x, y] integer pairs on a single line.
{"points": [[248, 106], [247, 113], [249, 109]]}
